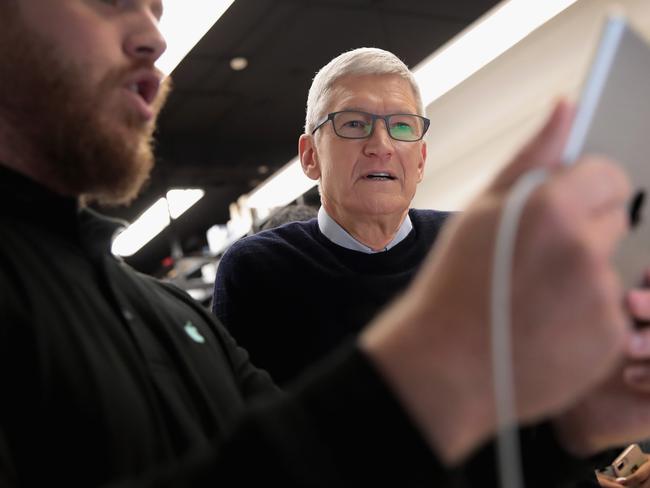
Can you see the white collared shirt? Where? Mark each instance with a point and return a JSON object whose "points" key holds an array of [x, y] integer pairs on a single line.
{"points": [[338, 235]]}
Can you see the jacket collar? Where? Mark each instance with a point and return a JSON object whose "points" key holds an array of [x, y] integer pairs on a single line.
{"points": [[23, 198]]}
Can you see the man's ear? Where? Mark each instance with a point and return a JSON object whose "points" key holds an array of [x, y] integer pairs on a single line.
{"points": [[423, 160], [309, 157]]}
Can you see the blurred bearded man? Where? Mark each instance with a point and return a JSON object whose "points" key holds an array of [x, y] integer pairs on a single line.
{"points": [[75, 117]]}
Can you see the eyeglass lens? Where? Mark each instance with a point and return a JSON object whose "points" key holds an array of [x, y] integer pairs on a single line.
{"points": [[358, 125]]}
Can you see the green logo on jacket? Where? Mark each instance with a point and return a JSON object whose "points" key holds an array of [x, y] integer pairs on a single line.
{"points": [[193, 332]]}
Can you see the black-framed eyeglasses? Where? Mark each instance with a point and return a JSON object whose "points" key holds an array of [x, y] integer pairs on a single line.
{"points": [[354, 124]]}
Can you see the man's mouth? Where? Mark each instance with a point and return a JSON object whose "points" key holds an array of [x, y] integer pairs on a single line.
{"points": [[146, 86], [380, 176]]}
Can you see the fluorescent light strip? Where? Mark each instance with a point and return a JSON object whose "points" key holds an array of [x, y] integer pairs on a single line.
{"points": [[482, 42], [183, 25], [282, 188], [181, 200], [154, 220], [146, 227], [492, 35]]}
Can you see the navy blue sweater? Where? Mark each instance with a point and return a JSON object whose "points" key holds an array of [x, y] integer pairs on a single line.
{"points": [[310, 294]]}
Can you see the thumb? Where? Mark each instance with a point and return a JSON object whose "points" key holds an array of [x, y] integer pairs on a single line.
{"points": [[544, 150]]}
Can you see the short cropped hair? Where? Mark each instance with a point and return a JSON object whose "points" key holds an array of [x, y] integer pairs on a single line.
{"points": [[290, 213], [358, 62]]}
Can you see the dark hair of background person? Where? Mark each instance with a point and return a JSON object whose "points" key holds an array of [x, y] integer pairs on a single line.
{"points": [[291, 213]]}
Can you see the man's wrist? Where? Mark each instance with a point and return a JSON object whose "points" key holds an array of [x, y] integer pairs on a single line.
{"points": [[447, 393]]}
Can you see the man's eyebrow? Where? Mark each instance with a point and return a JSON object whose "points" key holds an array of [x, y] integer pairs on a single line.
{"points": [[358, 109], [353, 109]]}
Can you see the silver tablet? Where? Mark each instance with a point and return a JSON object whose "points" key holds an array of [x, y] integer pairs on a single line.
{"points": [[613, 119]]}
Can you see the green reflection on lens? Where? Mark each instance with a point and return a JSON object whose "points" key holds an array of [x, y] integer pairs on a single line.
{"points": [[403, 131]]}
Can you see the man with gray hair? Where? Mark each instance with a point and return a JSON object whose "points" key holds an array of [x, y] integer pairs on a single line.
{"points": [[363, 142]]}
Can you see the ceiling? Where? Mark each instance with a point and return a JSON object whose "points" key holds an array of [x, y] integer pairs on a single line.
{"points": [[226, 131]]}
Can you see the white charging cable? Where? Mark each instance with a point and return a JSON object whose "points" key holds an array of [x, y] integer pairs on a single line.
{"points": [[508, 449]]}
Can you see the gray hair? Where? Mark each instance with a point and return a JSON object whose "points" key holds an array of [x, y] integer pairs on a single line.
{"points": [[358, 62]]}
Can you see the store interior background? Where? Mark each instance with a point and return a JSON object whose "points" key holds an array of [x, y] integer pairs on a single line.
{"points": [[228, 132]]}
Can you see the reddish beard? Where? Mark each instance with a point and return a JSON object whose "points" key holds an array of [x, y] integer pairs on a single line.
{"points": [[83, 140]]}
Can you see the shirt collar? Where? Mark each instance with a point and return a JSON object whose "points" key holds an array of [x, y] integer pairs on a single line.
{"points": [[338, 235], [24, 198]]}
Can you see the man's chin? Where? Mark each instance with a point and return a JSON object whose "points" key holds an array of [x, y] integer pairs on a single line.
{"points": [[119, 188], [124, 163], [112, 197], [383, 204]]}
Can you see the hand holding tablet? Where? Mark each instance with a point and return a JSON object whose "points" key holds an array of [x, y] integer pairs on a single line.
{"points": [[613, 120]]}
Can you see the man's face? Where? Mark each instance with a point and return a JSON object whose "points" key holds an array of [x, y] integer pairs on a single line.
{"points": [[346, 166], [80, 88]]}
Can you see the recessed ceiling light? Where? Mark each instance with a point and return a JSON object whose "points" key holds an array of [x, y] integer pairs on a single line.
{"points": [[238, 63]]}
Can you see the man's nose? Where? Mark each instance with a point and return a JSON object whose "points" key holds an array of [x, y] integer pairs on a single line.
{"points": [[144, 41], [379, 143]]}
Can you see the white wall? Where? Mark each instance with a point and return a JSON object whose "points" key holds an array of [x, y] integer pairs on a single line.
{"points": [[477, 127]]}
